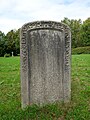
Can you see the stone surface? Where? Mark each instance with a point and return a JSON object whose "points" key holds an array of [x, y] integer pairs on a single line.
{"points": [[45, 51]]}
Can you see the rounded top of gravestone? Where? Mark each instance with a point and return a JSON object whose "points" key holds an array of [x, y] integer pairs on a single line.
{"points": [[45, 25]]}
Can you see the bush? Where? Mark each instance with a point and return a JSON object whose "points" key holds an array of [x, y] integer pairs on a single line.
{"points": [[7, 55], [18, 54], [81, 50]]}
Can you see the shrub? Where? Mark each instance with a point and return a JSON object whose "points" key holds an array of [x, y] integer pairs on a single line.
{"points": [[81, 50], [18, 54], [7, 55]]}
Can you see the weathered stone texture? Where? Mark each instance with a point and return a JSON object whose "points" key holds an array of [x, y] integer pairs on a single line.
{"points": [[45, 62]]}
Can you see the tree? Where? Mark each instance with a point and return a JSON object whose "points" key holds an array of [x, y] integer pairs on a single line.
{"points": [[76, 30], [12, 42], [17, 41], [75, 26], [85, 33], [80, 36], [2, 43]]}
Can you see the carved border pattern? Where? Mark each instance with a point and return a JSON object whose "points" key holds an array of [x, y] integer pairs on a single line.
{"points": [[67, 49], [45, 24]]}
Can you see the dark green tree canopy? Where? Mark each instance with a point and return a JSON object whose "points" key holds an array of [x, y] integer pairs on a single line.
{"points": [[10, 42], [80, 31]]}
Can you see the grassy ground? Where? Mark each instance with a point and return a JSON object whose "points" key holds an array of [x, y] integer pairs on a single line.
{"points": [[10, 102]]}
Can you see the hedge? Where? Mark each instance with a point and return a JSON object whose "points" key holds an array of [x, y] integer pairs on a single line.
{"points": [[7, 55], [81, 50]]}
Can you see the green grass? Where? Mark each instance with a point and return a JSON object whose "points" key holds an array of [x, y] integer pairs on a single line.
{"points": [[10, 99]]}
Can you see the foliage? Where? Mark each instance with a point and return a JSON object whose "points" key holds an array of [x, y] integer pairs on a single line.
{"points": [[10, 98], [80, 32], [7, 55], [85, 33], [81, 50], [10, 43], [2, 43]]}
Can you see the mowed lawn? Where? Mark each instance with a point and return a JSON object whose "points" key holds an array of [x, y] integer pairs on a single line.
{"points": [[10, 98]]}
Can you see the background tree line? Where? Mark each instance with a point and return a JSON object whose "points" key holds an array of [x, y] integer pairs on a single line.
{"points": [[10, 42], [80, 32]]}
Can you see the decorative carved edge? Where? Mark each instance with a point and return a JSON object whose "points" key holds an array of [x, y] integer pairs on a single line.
{"points": [[67, 49], [67, 66], [45, 25]]}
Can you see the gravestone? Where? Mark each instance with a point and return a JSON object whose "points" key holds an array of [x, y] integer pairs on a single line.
{"points": [[12, 54], [45, 51]]}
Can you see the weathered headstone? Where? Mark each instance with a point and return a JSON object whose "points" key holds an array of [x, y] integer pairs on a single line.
{"points": [[45, 62]]}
